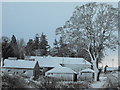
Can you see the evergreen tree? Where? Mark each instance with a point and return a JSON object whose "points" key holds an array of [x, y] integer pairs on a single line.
{"points": [[64, 50], [61, 49], [36, 42], [29, 47], [43, 45], [55, 50], [55, 43], [9, 48], [5, 47], [14, 47]]}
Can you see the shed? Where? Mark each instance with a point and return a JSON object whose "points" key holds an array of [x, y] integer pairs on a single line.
{"points": [[86, 74], [19, 66], [111, 69], [62, 73]]}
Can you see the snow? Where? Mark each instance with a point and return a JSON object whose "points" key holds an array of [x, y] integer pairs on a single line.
{"points": [[112, 68], [55, 61], [100, 84], [19, 63], [61, 69], [12, 58], [47, 63], [115, 74], [88, 70]]}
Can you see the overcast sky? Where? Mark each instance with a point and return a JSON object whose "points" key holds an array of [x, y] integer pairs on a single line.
{"points": [[25, 19]]}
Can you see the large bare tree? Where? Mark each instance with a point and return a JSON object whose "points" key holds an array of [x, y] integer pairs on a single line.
{"points": [[92, 27]]}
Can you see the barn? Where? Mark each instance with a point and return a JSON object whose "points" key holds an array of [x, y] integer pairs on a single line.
{"points": [[36, 65], [76, 64], [45, 63], [21, 67], [62, 73]]}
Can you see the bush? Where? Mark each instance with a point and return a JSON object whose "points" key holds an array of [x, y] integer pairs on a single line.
{"points": [[47, 82], [12, 81]]}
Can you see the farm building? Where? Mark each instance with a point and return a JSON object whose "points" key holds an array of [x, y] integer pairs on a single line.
{"points": [[36, 65], [45, 63], [62, 73], [111, 69], [23, 67], [76, 64], [86, 74]]}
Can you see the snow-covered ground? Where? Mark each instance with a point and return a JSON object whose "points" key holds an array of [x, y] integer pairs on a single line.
{"points": [[103, 83], [115, 74], [107, 81], [113, 79]]}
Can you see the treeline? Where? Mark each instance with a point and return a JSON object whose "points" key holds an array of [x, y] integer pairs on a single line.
{"points": [[38, 46]]}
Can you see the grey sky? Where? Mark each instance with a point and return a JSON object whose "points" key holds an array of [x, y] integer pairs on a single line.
{"points": [[25, 19]]}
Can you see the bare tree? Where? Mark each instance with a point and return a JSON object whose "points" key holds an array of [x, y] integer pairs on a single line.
{"points": [[21, 47], [92, 27]]}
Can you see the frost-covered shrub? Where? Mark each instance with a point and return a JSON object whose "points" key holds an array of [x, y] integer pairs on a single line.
{"points": [[49, 82], [12, 81], [46, 82]]}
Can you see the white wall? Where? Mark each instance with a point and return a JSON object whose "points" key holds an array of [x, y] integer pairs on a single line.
{"points": [[28, 73], [61, 76], [85, 76]]}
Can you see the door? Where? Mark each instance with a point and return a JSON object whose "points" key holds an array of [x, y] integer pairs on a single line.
{"points": [[74, 77]]}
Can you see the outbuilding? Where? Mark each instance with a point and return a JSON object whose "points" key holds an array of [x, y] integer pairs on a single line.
{"points": [[48, 62], [62, 73], [21, 67], [86, 74], [111, 69]]}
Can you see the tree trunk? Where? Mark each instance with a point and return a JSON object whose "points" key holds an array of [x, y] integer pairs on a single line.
{"points": [[99, 74], [94, 62], [95, 69], [97, 63]]}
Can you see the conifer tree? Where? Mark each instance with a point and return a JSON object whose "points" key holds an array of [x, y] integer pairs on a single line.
{"points": [[29, 48], [43, 45]]}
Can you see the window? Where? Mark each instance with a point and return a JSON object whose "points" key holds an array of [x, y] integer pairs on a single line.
{"points": [[51, 73], [9, 70], [24, 71]]}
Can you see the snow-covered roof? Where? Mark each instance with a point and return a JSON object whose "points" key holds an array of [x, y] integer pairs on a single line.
{"points": [[87, 70], [12, 58], [53, 61], [61, 69], [19, 63], [48, 63], [45, 62], [112, 68]]}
